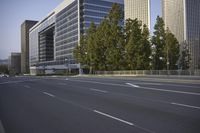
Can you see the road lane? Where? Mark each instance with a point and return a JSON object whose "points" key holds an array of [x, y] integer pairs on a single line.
{"points": [[72, 93], [32, 111], [131, 105], [163, 85], [159, 93]]}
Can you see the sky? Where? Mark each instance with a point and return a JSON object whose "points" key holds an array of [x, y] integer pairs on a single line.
{"points": [[14, 12]]}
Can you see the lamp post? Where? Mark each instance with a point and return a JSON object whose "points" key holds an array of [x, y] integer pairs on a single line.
{"points": [[153, 47], [167, 58], [68, 64], [44, 69]]}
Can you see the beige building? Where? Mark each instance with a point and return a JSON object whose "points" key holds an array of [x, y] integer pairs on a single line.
{"points": [[183, 19], [173, 16], [138, 9], [25, 26]]}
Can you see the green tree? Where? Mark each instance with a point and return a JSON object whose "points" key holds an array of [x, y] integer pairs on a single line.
{"points": [[185, 57], [133, 37], [92, 57], [80, 51], [158, 45], [115, 39], [4, 69], [145, 50], [102, 47], [171, 50], [103, 44]]}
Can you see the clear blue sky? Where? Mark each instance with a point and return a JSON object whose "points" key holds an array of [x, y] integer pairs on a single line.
{"points": [[14, 12]]}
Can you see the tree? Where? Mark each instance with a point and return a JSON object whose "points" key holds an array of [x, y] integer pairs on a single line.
{"points": [[185, 57], [145, 50], [138, 48], [133, 38], [158, 45], [92, 56], [115, 39], [102, 47], [171, 50], [4, 69], [81, 50]]}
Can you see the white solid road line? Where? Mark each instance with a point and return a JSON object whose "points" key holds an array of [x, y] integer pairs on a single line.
{"points": [[98, 90], [165, 90], [174, 91], [115, 118], [46, 93], [185, 105], [133, 85], [186, 86]]}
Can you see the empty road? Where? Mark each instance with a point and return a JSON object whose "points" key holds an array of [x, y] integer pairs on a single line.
{"points": [[99, 105]]}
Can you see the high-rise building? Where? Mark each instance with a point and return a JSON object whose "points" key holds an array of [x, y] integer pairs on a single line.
{"points": [[14, 63], [53, 39], [25, 26], [139, 9], [182, 17]]}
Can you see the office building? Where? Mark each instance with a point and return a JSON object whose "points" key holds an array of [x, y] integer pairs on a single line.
{"points": [[14, 63], [183, 19], [53, 39], [25, 26], [139, 9]]}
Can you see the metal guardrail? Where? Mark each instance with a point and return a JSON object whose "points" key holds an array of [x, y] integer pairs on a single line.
{"points": [[151, 72]]}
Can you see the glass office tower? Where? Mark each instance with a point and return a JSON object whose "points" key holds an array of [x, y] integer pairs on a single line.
{"points": [[183, 19], [53, 39]]}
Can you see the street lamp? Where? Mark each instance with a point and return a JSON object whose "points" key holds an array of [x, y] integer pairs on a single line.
{"points": [[167, 57], [68, 64]]}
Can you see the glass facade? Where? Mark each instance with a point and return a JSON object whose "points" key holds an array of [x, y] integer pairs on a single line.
{"points": [[33, 48], [34, 43], [46, 44], [183, 19], [66, 31], [92, 11], [193, 30]]}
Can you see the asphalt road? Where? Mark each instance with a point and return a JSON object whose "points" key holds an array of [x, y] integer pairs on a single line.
{"points": [[99, 105]]}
